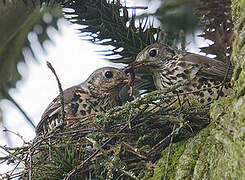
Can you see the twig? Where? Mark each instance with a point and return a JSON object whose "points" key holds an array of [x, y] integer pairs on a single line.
{"points": [[12, 171], [169, 150], [61, 91], [153, 96], [75, 169], [159, 105], [17, 134], [158, 146], [11, 154], [137, 7], [133, 150]]}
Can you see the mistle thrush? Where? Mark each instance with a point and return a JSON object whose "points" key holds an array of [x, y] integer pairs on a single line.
{"points": [[99, 92], [169, 66]]}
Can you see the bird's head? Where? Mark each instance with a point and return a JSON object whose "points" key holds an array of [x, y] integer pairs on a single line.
{"points": [[108, 79], [153, 57]]}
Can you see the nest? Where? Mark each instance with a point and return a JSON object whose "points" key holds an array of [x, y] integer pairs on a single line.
{"points": [[123, 143]]}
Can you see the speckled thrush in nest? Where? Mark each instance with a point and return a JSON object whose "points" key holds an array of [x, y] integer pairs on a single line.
{"points": [[99, 92], [169, 66]]}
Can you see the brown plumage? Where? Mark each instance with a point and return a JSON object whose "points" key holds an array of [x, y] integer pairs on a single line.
{"points": [[99, 92], [169, 66]]}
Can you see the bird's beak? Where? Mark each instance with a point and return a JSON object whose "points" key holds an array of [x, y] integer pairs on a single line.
{"points": [[137, 65], [131, 67], [125, 81]]}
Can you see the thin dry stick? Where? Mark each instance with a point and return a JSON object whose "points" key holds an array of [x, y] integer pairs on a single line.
{"points": [[61, 91], [11, 154], [137, 7], [75, 169], [41, 140], [17, 134], [159, 104], [61, 96], [131, 149], [13, 170], [157, 146], [169, 151]]}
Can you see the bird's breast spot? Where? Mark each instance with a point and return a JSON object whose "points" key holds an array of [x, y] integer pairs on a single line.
{"points": [[201, 94], [74, 108], [210, 91], [202, 100], [75, 97], [83, 112], [199, 86], [186, 71], [209, 99], [228, 85], [89, 110]]}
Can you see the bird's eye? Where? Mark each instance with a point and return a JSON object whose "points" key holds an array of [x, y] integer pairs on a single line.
{"points": [[108, 74], [153, 53]]}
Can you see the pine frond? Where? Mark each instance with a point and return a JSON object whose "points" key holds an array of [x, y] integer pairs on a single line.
{"points": [[217, 22], [17, 20], [107, 23]]}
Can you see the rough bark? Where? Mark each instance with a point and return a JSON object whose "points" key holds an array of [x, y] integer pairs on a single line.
{"points": [[217, 152]]}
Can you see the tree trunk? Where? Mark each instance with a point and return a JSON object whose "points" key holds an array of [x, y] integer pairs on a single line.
{"points": [[218, 151]]}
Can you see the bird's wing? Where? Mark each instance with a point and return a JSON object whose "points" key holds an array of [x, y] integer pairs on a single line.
{"points": [[55, 106], [210, 68]]}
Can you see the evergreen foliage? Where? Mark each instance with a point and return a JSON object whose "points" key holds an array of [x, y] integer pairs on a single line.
{"points": [[17, 20], [126, 141]]}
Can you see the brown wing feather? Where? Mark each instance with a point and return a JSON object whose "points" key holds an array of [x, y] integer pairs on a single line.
{"points": [[210, 68], [55, 106]]}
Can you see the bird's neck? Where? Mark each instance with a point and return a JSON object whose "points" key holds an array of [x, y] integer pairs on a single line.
{"points": [[158, 80], [106, 99], [164, 76]]}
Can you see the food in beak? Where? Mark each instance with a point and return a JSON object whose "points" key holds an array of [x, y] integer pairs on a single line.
{"points": [[131, 79]]}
